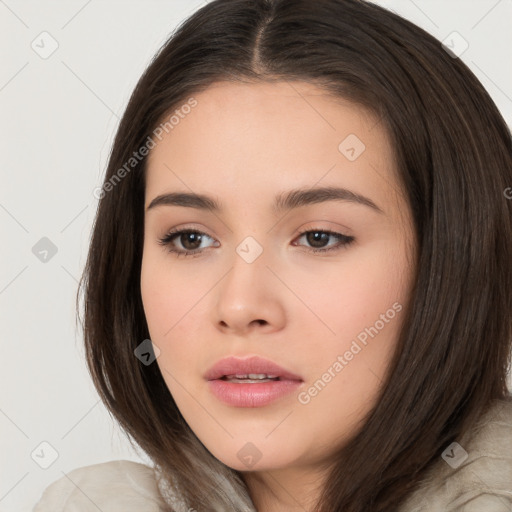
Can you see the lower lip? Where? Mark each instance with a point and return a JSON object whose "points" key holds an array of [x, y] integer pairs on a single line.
{"points": [[252, 395]]}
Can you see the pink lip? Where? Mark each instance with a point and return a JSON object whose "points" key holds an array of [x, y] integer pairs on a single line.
{"points": [[250, 394], [254, 364]]}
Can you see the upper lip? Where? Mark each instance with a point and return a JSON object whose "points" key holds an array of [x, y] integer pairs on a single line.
{"points": [[233, 365]]}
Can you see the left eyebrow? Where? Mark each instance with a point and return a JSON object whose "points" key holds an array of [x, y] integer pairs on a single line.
{"points": [[283, 202], [302, 197]]}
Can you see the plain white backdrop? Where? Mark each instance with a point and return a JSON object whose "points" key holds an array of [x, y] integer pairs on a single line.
{"points": [[67, 71]]}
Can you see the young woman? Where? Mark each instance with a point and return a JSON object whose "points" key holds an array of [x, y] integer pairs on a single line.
{"points": [[299, 283]]}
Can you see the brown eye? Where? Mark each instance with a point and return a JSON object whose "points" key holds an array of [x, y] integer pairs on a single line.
{"points": [[318, 238], [189, 240]]}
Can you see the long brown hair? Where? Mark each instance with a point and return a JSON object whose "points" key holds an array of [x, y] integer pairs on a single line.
{"points": [[453, 153]]}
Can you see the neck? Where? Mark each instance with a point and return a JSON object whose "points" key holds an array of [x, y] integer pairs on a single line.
{"points": [[283, 490]]}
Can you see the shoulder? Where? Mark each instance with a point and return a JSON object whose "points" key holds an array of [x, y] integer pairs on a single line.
{"points": [[473, 474], [109, 486]]}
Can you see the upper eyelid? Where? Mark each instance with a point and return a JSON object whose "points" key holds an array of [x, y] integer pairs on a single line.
{"points": [[343, 241], [338, 229], [174, 233]]}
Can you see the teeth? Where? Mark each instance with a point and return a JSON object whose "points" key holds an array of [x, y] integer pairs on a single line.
{"points": [[252, 376]]}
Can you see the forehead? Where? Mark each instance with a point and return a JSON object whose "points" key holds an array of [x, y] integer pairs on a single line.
{"points": [[271, 108], [268, 135]]}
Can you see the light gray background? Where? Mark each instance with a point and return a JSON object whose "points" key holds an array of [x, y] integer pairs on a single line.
{"points": [[59, 116]]}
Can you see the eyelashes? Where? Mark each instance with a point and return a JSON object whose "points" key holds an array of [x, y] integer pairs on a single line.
{"points": [[194, 236], [168, 241]]}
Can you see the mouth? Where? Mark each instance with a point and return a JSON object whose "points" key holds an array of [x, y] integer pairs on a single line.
{"points": [[250, 368], [250, 382], [252, 378]]}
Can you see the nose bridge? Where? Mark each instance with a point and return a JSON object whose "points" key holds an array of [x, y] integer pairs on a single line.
{"points": [[248, 269], [248, 293]]}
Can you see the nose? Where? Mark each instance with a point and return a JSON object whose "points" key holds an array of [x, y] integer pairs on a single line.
{"points": [[249, 298]]}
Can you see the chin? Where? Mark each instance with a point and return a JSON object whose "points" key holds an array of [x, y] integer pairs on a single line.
{"points": [[255, 455]]}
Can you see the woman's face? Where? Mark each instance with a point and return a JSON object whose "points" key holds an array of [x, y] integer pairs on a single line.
{"points": [[254, 285]]}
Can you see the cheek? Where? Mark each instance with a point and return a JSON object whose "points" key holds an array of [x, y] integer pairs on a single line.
{"points": [[174, 313], [352, 295], [363, 306], [167, 295]]}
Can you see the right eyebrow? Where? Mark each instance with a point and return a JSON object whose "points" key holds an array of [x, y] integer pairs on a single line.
{"points": [[186, 199]]}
